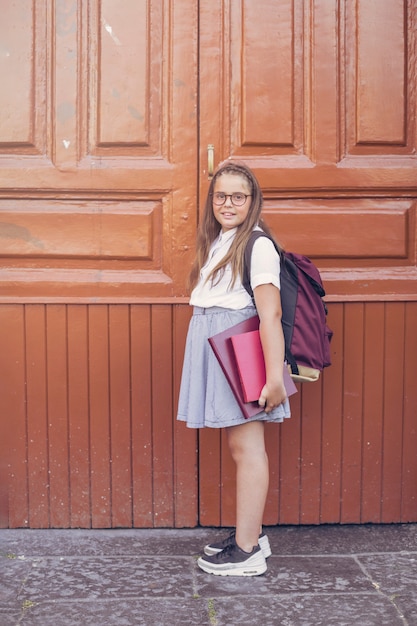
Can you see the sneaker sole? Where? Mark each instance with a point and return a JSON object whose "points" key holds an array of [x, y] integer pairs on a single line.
{"points": [[244, 569], [263, 543], [265, 546]]}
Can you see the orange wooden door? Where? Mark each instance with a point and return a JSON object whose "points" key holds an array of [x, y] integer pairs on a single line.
{"points": [[98, 186], [319, 98]]}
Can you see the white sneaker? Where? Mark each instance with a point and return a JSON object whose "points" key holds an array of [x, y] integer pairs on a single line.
{"points": [[232, 561], [215, 548]]}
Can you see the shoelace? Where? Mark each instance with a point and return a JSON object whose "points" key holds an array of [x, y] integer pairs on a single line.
{"points": [[231, 539], [227, 550]]}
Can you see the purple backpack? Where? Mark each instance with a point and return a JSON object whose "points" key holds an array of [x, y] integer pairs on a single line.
{"points": [[307, 336]]}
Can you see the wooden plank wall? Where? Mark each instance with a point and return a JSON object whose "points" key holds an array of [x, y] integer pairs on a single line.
{"points": [[89, 393], [88, 435], [348, 454]]}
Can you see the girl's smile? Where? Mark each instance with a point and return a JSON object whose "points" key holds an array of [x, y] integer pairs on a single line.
{"points": [[228, 214]]}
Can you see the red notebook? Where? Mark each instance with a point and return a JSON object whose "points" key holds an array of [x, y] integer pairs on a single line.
{"points": [[223, 349], [250, 362]]}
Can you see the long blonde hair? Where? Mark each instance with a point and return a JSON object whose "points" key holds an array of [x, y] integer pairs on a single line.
{"points": [[209, 227]]}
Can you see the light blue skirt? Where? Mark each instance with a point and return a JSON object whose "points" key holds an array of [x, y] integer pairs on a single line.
{"points": [[205, 396]]}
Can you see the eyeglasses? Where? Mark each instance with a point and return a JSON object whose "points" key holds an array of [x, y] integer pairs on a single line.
{"points": [[237, 198]]}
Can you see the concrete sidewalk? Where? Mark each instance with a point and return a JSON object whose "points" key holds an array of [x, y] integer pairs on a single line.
{"points": [[317, 576]]}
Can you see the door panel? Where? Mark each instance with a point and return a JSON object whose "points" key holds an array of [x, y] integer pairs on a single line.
{"points": [[97, 149], [23, 122], [317, 108], [377, 48]]}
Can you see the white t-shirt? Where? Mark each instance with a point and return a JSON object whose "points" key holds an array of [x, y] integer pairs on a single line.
{"points": [[265, 269]]}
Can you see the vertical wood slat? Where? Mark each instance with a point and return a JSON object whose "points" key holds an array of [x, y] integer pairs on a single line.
{"points": [[120, 415], [88, 406], [78, 410], [351, 413], [57, 415], [373, 411], [311, 435], [185, 439], [13, 419], [409, 456], [393, 412], [272, 439], [99, 390], [37, 417], [227, 483], [289, 483], [162, 410], [210, 477], [331, 467], [141, 386]]}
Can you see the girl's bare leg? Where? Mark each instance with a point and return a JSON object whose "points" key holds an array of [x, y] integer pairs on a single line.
{"points": [[247, 447]]}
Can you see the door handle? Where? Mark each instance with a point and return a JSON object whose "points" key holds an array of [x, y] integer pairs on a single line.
{"points": [[210, 161]]}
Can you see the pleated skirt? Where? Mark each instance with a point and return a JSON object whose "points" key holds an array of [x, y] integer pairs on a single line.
{"points": [[205, 398]]}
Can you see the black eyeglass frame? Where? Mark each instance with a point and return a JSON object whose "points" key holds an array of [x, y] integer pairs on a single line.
{"points": [[230, 195]]}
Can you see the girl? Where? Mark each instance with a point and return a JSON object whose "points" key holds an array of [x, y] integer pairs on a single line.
{"points": [[232, 211]]}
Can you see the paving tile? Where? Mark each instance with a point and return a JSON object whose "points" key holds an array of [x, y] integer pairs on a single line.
{"points": [[392, 573], [343, 539], [13, 574], [407, 605], [119, 612], [91, 578], [123, 542], [10, 614], [306, 610], [293, 610], [292, 575]]}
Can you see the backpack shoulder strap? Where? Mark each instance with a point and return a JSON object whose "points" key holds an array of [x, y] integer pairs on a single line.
{"points": [[288, 289], [248, 256]]}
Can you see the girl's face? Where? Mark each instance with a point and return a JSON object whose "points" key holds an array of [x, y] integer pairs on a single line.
{"points": [[235, 208]]}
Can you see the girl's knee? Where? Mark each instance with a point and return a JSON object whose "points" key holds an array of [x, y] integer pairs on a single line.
{"points": [[247, 450]]}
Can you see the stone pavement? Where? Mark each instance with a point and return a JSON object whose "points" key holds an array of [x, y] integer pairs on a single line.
{"points": [[317, 576]]}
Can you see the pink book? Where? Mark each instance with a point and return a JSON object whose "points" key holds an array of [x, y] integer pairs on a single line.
{"points": [[223, 349], [250, 362]]}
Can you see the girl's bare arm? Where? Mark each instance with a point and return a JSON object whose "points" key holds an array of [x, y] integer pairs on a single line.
{"points": [[268, 304]]}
